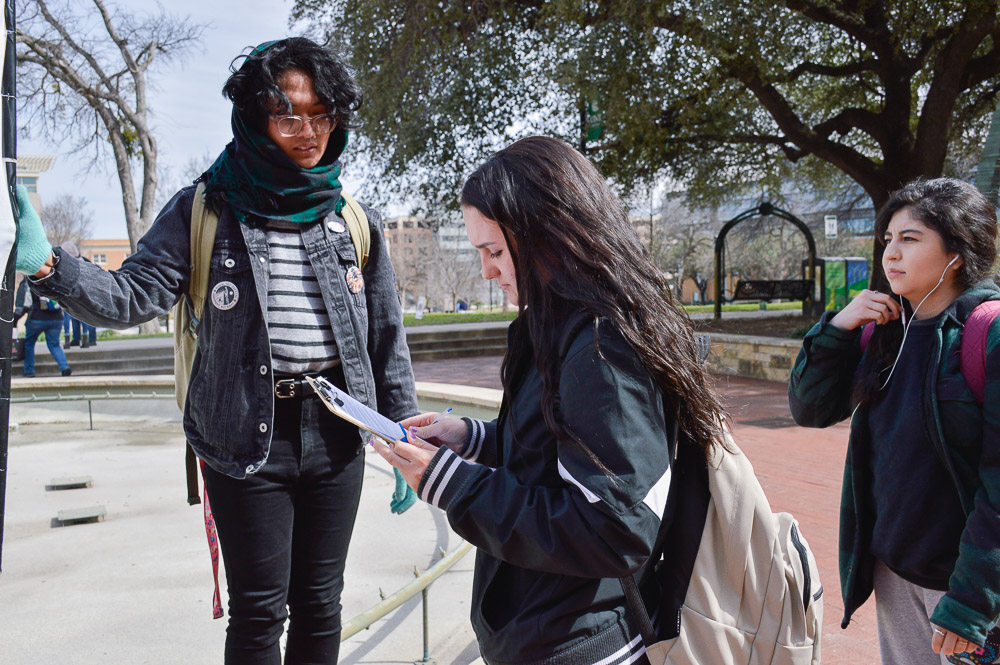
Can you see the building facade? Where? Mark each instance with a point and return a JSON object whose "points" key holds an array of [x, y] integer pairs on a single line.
{"points": [[107, 253], [29, 168]]}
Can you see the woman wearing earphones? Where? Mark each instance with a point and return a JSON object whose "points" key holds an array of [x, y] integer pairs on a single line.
{"points": [[920, 507]]}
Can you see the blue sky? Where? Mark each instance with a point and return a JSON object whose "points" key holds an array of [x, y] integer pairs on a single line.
{"points": [[190, 116]]}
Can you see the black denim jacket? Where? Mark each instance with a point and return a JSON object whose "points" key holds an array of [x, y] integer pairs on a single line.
{"points": [[230, 404]]}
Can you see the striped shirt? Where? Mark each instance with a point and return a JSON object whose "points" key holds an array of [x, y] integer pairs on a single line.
{"points": [[302, 338]]}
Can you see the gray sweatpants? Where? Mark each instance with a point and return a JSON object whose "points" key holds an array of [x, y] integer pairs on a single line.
{"points": [[904, 627]]}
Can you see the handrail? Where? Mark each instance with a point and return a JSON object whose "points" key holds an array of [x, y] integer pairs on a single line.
{"points": [[59, 397], [423, 580]]}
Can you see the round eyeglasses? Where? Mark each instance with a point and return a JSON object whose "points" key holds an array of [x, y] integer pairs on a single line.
{"points": [[291, 125]]}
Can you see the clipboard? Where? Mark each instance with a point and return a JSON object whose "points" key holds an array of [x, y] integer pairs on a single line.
{"points": [[343, 405]]}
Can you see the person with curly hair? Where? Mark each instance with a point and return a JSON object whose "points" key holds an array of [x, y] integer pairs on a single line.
{"points": [[288, 298]]}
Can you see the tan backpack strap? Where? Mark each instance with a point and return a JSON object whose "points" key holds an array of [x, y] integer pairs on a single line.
{"points": [[204, 224], [357, 224]]}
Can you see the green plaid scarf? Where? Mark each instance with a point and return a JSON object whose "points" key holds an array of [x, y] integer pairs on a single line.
{"points": [[259, 182]]}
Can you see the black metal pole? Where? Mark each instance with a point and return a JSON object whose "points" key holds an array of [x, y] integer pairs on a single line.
{"points": [[8, 132], [718, 277]]}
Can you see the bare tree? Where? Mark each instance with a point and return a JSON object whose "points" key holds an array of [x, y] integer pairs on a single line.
{"points": [[683, 242], [83, 73], [454, 274], [173, 180], [412, 250], [67, 219]]}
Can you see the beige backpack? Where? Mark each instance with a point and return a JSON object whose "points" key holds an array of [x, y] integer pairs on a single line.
{"points": [[187, 312], [754, 595]]}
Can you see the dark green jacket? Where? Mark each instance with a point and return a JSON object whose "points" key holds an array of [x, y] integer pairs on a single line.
{"points": [[965, 435]]}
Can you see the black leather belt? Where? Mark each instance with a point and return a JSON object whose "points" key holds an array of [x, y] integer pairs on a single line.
{"points": [[288, 388]]}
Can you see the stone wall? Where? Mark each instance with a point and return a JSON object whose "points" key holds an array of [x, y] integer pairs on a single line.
{"points": [[758, 357]]}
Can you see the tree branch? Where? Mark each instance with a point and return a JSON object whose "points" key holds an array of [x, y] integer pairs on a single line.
{"points": [[982, 103], [84, 53], [113, 33], [135, 116], [984, 67], [853, 118], [874, 39], [845, 158], [791, 152], [836, 71], [933, 127], [60, 68]]}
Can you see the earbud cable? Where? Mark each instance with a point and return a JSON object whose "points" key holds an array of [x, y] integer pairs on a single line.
{"points": [[906, 325]]}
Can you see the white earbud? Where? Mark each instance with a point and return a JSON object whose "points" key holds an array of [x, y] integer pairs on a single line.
{"points": [[945, 271]]}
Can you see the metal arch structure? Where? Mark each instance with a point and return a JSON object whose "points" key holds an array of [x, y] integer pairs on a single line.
{"points": [[765, 209]]}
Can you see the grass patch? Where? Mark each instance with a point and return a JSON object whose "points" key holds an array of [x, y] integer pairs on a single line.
{"points": [[113, 335], [745, 307], [436, 318]]}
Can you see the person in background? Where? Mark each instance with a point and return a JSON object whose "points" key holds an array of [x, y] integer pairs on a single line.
{"points": [[67, 327], [564, 493], [83, 334], [44, 317], [288, 298], [920, 508]]}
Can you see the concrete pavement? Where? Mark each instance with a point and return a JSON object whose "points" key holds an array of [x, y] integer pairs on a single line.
{"points": [[136, 588]]}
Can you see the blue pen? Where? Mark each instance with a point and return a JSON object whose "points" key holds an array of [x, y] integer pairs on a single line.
{"points": [[448, 410], [404, 432]]}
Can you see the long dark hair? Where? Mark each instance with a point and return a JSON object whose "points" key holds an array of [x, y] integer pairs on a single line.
{"points": [[967, 223], [574, 249], [253, 87]]}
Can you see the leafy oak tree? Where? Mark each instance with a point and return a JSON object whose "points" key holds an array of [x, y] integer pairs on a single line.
{"points": [[725, 96]]}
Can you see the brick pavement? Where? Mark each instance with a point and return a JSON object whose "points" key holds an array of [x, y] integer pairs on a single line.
{"points": [[800, 470]]}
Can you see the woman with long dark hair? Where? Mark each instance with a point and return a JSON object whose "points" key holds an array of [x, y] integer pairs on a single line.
{"points": [[569, 485], [920, 513], [289, 296]]}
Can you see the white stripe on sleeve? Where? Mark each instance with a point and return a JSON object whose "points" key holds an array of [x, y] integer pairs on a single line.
{"points": [[565, 475]]}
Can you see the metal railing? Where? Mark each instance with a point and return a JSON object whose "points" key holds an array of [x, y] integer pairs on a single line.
{"points": [[59, 397], [362, 621], [420, 584]]}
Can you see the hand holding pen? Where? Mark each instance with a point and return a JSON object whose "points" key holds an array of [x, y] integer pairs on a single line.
{"points": [[420, 437], [437, 429], [413, 428]]}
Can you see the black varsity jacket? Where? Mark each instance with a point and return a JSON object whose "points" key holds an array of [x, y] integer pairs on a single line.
{"points": [[553, 530]]}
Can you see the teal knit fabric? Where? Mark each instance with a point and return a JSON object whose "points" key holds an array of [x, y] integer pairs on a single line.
{"points": [[33, 248]]}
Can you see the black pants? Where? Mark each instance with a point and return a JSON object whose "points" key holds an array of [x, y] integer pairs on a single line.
{"points": [[284, 534]]}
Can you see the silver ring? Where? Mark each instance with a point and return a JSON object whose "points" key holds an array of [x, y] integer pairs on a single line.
{"points": [[939, 631]]}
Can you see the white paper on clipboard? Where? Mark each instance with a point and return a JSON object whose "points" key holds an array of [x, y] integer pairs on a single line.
{"points": [[351, 410]]}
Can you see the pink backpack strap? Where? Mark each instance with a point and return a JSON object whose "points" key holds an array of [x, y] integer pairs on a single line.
{"points": [[213, 548], [866, 334], [974, 338]]}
